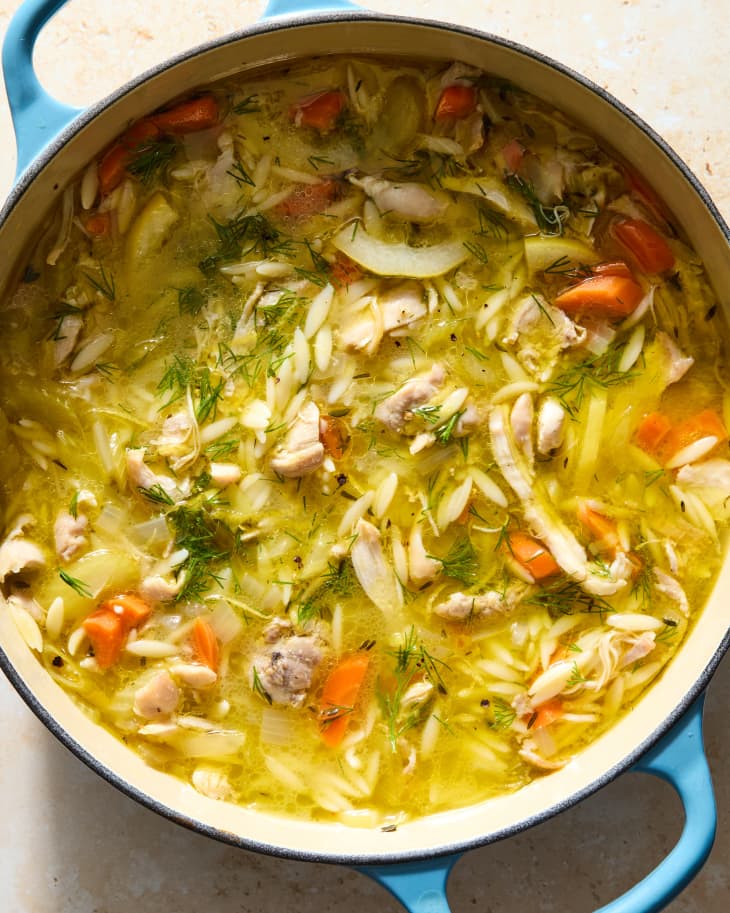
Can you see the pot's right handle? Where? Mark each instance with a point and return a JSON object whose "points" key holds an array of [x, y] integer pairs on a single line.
{"points": [[679, 759], [37, 116]]}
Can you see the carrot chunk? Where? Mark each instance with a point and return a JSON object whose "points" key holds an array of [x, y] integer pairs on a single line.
{"points": [[105, 630], [705, 424], [603, 529], [612, 268], [532, 555], [339, 696], [513, 153], [547, 713], [645, 243], [652, 432], [206, 644], [112, 168], [190, 116], [609, 296], [308, 199], [98, 224], [344, 271], [132, 609], [143, 131], [319, 111], [333, 435], [455, 102]]}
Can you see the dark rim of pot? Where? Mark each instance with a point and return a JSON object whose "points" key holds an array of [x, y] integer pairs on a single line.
{"points": [[150, 802]]}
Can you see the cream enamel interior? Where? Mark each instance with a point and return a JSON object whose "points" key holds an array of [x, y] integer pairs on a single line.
{"points": [[393, 38]]}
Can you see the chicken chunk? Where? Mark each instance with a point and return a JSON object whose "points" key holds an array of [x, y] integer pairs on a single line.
{"points": [[19, 556], [285, 666], [157, 588], [540, 332], [158, 698], [411, 201], [402, 306], [461, 606], [302, 452], [140, 475], [69, 533], [396, 410], [677, 363], [551, 417]]}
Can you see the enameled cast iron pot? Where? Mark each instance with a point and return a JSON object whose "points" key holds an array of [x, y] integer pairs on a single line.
{"points": [[661, 735]]}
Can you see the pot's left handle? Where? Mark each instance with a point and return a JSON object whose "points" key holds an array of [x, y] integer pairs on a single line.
{"points": [[37, 116]]}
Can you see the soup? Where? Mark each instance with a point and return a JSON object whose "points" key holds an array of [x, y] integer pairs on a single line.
{"points": [[365, 440]]}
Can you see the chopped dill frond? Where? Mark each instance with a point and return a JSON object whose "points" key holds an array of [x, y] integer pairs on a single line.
{"points": [[476, 250], [190, 300], [73, 507], [504, 715], [566, 597], [257, 686], [248, 105], [240, 175], [446, 431], [156, 494], [428, 413], [76, 585], [221, 448], [461, 562], [572, 386], [151, 158], [575, 676], [104, 285], [550, 219]]}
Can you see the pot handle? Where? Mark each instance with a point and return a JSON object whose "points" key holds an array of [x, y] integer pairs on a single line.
{"points": [[679, 759], [291, 7], [37, 116]]}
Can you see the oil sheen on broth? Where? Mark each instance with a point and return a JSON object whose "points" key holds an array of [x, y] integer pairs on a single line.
{"points": [[365, 440]]}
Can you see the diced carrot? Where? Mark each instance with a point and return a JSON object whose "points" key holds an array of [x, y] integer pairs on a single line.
{"points": [[105, 630], [344, 271], [612, 268], [705, 424], [190, 116], [206, 644], [134, 609], [612, 297], [339, 696], [98, 224], [308, 199], [602, 529], [547, 713], [652, 432], [645, 243], [112, 168], [333, 435], [513, 153], [319, 111], [532, 555], [142, 131], [455, 101]]}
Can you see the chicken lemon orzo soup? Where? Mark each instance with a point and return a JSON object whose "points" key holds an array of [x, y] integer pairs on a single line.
{"points": [[364, 433]]}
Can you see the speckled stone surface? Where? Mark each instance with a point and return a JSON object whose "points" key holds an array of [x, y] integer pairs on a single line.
{"points": [[70, 842]]}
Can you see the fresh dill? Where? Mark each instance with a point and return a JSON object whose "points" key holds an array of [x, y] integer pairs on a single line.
{"points": [[248, 105], [477, 251], [181, 375], [338, 580], [429, 413], [650, 477], [504, 715], [412, 662], [575, 676], [446, 431], [550, 219], [257, 686], [461, 561], [316, 160], [78, 586], [73, 507], [221, 448], [156, 494], [105, 284], [151, 158], [566, 597], [106, 369], [564, 266], [491, 224], [543, 310], [668, 632], [240, 175], [206, 540], [246, 234], [600, 371]]}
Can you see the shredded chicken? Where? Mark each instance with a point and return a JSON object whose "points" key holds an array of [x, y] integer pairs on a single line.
{"points": [[69, 533], [224, 474], [396, 410], [196, 675], [157, 588], [461, 606], [158, 698], [551, 418], [141, 476], [666, 584], [677, 363], [18, 555], [540, 332], [421, 568], [375, 574], [412, 201], [285, 666], [402, 306], [302, 452]]}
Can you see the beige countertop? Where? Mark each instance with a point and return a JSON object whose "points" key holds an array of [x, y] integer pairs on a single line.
{"points": [[73, 844]]}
